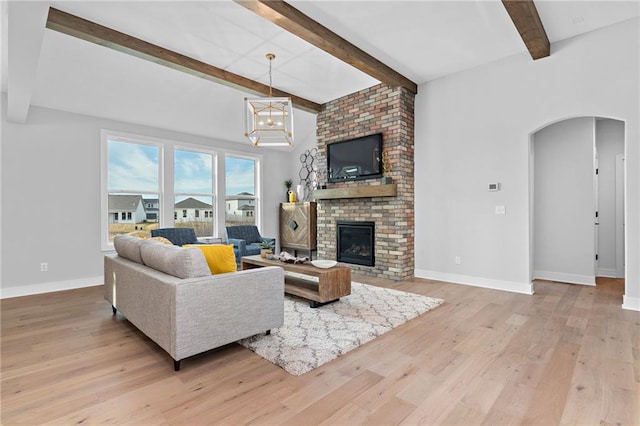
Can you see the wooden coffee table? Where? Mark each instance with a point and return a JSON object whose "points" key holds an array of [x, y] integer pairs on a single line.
{"points": [[331, 285]]}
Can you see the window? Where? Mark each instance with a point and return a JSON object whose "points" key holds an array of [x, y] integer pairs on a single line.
{"points": [[240, 184], [136, 194], [193, 187], [132, 172]]}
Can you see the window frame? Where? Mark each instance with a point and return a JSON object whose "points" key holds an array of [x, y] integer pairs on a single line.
{"points": [[166, 194], [214, 179], [105, 137], [257, 182]]}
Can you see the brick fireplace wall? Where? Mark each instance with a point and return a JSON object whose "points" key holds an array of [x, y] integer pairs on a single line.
{"points": [[373, 110]]}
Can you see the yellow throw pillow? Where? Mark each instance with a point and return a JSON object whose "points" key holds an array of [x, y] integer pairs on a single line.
{"points": [[220, 257], [162, 240], [139, 234]]}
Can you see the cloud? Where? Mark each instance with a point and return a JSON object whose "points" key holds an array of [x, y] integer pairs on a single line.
{"points": [[193, 172], [240, 175], [133, 167]]}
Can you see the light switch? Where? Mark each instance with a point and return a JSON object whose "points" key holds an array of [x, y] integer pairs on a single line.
{"points": [[501, 210]]}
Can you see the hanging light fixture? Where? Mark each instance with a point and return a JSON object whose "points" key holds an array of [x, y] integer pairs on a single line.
{"points": [[269, 121]]}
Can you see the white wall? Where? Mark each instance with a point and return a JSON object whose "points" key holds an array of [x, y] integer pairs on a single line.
{"points": [[564, 202], [474, 127], [50, 196], [609, 143]]}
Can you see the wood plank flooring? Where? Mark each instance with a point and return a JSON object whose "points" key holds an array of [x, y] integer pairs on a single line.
{"points": [[567, 355]]}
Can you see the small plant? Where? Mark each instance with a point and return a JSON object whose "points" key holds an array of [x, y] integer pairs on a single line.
{"points": [[288, 183], [265, 248], [266, 245]]}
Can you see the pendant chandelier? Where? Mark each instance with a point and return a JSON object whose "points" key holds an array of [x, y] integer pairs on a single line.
{"points": [[269, 121]]}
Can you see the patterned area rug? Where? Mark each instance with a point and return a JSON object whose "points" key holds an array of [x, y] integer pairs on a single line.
{"points": [[312, 337]]}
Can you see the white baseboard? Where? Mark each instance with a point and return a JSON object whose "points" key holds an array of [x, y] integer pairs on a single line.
{"points": [[512, 286], [607, 272], [564, 278], [631, 303], [31, 289]]}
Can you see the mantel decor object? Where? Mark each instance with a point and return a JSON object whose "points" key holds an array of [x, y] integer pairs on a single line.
{"points": [[386, 168]]}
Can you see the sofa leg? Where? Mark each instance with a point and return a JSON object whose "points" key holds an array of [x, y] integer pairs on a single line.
{"points": [[268, 332], [113, 308], [176, 365]]}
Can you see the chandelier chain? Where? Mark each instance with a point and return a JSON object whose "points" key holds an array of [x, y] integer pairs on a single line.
{"points": [[270, 80]]}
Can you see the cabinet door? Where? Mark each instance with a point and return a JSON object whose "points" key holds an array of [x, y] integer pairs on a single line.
{"points": [[298, 225]]}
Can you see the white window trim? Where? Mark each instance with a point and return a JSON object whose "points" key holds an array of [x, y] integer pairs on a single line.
{"points": [[166, 195], [105, 136], [214, 171], [257, 184]]}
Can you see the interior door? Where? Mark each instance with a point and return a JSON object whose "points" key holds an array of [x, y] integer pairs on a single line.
{"points": [[596, 216]]}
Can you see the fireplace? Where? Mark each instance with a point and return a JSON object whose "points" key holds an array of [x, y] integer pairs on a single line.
{"points": [[355, 242]]}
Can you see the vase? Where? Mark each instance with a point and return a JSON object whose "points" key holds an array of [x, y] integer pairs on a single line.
{"points": [[300, 192], [292, 196]]}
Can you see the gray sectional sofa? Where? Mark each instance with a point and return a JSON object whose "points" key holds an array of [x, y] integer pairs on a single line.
{"points": [[169, 294]]}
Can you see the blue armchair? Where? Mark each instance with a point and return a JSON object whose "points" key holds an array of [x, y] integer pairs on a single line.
{"points": [[178, 236], [246, 240]]}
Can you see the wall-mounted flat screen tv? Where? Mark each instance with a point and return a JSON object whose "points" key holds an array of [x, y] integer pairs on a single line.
{"points": [[354, 159]]}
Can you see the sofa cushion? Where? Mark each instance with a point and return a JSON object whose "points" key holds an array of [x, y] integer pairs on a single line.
{"points": [[128, 247], [173, 260], [220, 257]]}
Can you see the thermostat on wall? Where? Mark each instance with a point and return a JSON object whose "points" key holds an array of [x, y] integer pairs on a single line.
{"points": [[494, 186]]}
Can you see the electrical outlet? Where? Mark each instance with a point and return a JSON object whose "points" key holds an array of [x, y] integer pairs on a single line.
{"points": [[501, 210], [44, 267], [458, 260]]}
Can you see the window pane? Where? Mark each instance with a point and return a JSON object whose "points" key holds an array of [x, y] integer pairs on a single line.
{"points": [[240, 184], [189, 213], [128, 213], [133, 184], [193, 173], [240, 175], [193, 185], [133, 166], [240, 212]]}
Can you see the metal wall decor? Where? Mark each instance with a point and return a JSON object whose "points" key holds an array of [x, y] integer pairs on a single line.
{"points": [[308, 174]]}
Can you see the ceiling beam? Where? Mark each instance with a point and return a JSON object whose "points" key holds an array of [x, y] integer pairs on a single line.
{"points": [[525, 17], [299, 24], [90, 31]]}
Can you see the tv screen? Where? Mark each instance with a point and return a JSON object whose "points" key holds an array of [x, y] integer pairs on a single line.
{"points": [[355, 158]]}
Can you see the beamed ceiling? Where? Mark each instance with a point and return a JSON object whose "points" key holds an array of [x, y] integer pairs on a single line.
{"points": [[187, 66]]}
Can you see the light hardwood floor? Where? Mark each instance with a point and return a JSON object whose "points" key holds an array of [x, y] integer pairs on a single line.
{"points": [[567, 355]]}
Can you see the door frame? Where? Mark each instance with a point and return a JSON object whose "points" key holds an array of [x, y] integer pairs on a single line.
{"points": [[620, 224]]}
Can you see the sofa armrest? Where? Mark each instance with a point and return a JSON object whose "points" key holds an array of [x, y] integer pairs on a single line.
{"points": [[224, 308], [189, 316], [238, 243]]}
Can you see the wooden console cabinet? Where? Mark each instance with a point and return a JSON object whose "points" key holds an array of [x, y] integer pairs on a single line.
{"points": [[298, 230]]}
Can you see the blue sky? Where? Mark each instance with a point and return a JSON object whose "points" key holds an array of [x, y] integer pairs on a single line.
{"points": [[134, 167]]}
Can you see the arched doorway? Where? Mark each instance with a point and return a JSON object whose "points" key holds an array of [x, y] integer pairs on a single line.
{"points": [[576, 200]]}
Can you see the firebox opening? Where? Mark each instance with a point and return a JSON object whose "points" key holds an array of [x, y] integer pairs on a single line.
{"points": [[355, 242]]}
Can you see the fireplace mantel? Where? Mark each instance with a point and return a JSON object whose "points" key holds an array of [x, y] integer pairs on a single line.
{"points": [[387, 190]]}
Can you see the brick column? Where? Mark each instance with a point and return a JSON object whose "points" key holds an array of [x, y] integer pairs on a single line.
{"points": [[373, 110]]}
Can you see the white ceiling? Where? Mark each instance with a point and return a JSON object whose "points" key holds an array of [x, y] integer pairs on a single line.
{"points": [[423, 40]]}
